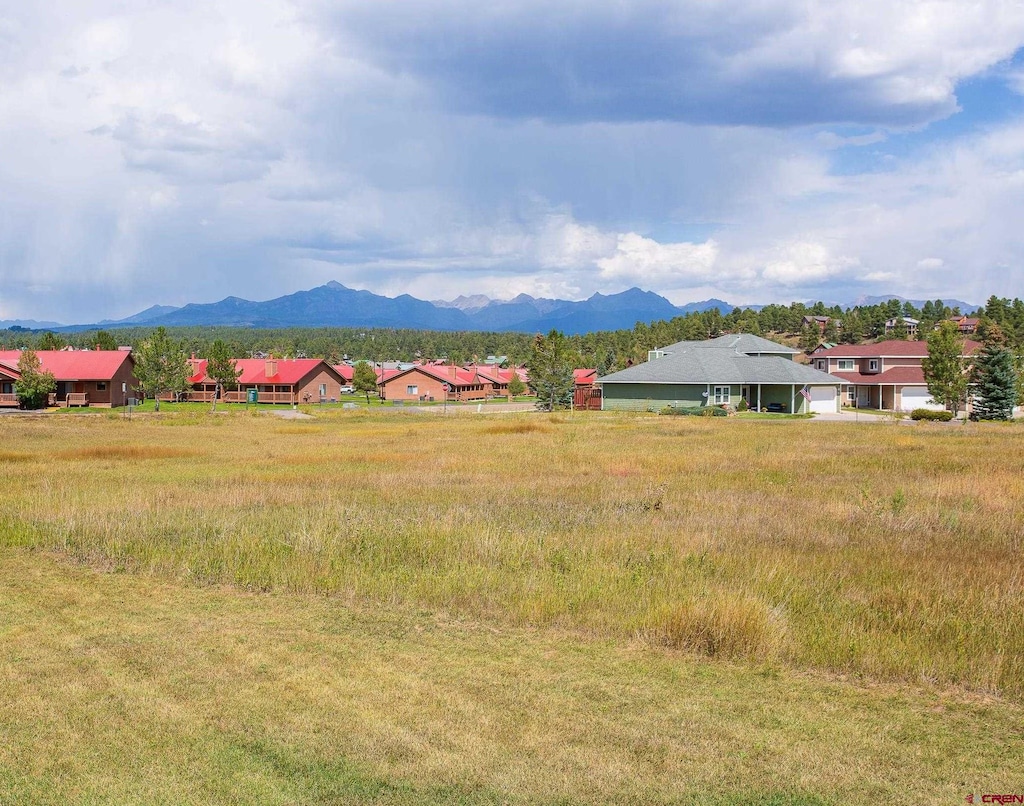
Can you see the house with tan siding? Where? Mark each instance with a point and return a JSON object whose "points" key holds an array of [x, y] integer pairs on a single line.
{"points": [[888, 375]]}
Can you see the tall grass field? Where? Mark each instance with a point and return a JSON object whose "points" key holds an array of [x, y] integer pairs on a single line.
{"points": [[631, 575]]}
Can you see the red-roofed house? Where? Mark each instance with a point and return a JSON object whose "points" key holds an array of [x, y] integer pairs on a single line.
{"points": [[8, 377], [965, 324], [421, 383], [102, 378], [887, 375], [276, 380]]}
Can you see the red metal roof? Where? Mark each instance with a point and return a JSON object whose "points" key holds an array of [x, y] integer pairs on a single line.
{"points": [[346, 371], [289, 371], [896, 375], [892, 348], [9, 372], [584, 376], [75, 365]]}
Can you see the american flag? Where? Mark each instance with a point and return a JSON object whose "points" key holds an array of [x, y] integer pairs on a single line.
{"points": [[806, 393]]}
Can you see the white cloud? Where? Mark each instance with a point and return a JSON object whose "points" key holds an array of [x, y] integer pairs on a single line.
{"points": [[643, 261]]}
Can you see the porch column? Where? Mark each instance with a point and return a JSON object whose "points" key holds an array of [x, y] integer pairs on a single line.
{"points": [[759, 397], [708, 397], [792, 398]]}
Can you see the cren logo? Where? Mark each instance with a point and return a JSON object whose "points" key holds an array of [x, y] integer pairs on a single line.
{"points": [[1000, 799]]}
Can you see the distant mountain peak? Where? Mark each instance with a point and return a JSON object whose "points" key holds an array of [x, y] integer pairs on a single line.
{"points": [[334, 285]]}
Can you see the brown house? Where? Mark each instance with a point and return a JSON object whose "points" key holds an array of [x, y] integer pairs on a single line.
{"points": [[888, 375], [102, 378], [276, 380]]}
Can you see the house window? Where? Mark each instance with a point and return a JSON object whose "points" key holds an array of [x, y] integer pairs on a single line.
{"points": [[721, 395], [845, 364], [873, 364], [323, 390], [101, 386], [412, 389], [851, 393], [821, 365]]}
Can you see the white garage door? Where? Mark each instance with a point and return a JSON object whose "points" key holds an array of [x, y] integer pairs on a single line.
{"points": [[823, 399], [918, 397]]}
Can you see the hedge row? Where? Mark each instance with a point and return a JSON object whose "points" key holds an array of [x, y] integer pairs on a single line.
{"points": [[696, 411], [928, 414]]}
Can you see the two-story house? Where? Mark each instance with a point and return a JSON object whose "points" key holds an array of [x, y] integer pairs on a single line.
{"points": [[887, 375]]}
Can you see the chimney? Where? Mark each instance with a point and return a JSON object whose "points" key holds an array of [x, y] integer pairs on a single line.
{"points": [[270, 369]]}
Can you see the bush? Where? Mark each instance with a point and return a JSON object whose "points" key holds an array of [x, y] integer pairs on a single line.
{"points": [[928, 414], [742, 405], [696, 411]]}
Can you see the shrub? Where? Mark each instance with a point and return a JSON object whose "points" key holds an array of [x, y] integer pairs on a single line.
{"points": [[696, 411], [928, 414], [742, 405]]}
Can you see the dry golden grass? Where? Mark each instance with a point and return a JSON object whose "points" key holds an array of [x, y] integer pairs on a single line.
{"points": [[116, 688], [883, 551]]}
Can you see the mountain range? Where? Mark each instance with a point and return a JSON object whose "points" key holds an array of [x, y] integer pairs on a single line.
{"points": [[335, 305]]}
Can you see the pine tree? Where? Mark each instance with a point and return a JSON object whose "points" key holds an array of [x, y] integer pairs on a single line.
{"points": [[551, 371], [994, 380]]}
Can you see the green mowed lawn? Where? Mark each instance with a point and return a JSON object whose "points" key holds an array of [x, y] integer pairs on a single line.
{"points": [[116, 689]]}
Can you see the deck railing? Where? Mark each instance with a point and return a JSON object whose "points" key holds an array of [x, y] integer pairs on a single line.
{"points": [[77, 399], [8, 400], [240, 396]]}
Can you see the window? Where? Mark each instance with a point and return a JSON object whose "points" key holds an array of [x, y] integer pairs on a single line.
{"points": [[101, 386], [721, 395], [873, 365], [821, 365], [845, 364], [323, 390], [851, 393], [412, 389]]}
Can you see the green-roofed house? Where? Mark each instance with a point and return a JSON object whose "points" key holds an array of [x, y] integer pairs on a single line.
{"points": [[722, 371]]}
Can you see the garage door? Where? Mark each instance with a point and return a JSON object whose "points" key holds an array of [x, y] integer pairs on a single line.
{"points": [[823, 399], [917, 397]]}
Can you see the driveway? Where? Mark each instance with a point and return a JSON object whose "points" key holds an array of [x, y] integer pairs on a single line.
{"points": [[852, 417]]}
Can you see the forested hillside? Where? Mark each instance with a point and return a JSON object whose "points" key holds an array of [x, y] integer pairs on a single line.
{"points": [[605, 350]]}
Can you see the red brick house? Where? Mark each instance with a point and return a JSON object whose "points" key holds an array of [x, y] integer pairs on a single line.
{"points": [[276, 380], [8, 377], [103, 378]]}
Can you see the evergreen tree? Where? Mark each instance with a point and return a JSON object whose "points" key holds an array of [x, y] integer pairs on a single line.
{"points": [[551, 371], [104, 341], [51, 341], [994, 380], [34, 387], [810, 337], [944, 367]]}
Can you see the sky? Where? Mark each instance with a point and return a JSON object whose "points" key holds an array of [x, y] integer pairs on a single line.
{"points": [[187, 150]]}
